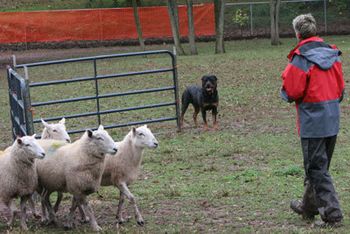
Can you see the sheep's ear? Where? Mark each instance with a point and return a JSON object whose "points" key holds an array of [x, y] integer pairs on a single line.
{"points": [[89, 132], [19, 141], [100, 128], [146, 125], [62, 121], [45, 124], [133, 131]]}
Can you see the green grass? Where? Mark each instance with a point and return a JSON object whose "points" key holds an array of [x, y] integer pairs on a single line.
{"points": [[239, 179]]}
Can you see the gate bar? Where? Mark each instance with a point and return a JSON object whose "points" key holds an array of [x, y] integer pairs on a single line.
{"points": [[132, 54], [107, 111], [102, 96], [89, 78], [127, 124]]}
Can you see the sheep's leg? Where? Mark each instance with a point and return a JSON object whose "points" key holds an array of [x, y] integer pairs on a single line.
{"points": [[58, 202], [120, 207], [44, 212], [124, 189], [91, 216], [32, 207], [47, 205], [72, 209], [8, 211], [84, 217], [24, 199]]}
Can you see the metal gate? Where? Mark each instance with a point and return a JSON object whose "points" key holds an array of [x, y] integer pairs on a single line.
{"points": [[21, 105]]}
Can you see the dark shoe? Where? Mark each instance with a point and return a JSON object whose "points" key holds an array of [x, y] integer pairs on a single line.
{"points": [[322, 224], [297, 207]]}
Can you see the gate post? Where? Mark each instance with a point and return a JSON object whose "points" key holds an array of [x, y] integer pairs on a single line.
{"points": [[10, 101], [28, 115], [176, 84]]}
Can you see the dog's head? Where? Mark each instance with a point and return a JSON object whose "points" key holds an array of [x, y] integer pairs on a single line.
{"points": [[209, 84]]}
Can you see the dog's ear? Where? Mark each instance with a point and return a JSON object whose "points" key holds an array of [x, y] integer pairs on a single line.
{"points": [[204, 78], [215, 78]]}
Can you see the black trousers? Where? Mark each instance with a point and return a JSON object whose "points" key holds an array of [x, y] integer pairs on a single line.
{"points": [[320, 195]]}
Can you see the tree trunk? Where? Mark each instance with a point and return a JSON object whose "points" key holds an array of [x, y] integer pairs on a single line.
{"points": [[138, 25], [219, 9], [274, 15], [172, 10], [191, 32]]}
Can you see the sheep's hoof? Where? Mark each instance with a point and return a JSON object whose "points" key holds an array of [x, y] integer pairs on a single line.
{"points": [[50, 222], [44, 220], [120, 220], [68, 226], [97, 228], [24, 227], [9, 227], [85, 220], [141, 222], [37, 216]]}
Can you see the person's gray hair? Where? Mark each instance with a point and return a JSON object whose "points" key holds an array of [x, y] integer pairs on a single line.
{"points": [[305, 25]]}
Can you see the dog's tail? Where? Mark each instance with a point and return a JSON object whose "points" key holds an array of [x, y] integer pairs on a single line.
{"points": [[185, 101]]}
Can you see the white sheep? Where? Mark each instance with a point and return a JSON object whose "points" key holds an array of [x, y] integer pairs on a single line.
{"points": [[76, 168], [18, 177], [56, 131], [123, 169]]}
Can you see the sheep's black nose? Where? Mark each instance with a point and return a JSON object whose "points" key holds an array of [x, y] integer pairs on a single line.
{"points": [[115, 150], [68, 140], [43, 154], [155, 144]]}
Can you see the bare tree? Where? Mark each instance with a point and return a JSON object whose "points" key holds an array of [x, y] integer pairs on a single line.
{"points": [[274, 15], [138, 24], [174, 21], [219, 10], [191, 32]]}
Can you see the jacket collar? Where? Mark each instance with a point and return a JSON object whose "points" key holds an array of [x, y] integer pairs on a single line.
{"points": [[301, 43]]}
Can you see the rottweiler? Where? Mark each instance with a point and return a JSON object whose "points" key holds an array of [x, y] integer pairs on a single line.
{"points": [[203, 99]]}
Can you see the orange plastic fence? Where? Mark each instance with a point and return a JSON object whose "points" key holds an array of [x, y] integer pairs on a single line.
{"points": [[100, 24]]}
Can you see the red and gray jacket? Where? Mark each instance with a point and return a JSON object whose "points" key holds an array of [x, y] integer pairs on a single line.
{"points": [[313, 79]]}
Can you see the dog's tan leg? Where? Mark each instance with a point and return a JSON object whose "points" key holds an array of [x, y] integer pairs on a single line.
{"points": [[182, 121], [215, 122], [205, 127]]}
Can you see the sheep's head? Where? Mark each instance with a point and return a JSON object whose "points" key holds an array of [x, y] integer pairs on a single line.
{"points": [[55, 131], [101, 142], [29, 147], [143, 137]]}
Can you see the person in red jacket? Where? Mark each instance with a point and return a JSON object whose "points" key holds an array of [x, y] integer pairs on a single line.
{"points": [[313, 79]]}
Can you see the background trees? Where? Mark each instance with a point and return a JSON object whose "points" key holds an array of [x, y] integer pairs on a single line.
{"points": [[174, 21], [274, 15], [191, 32], [219, 10], [136, 3]]}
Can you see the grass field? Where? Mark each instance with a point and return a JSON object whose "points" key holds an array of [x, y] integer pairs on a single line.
{"points": [[239, 179]]}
